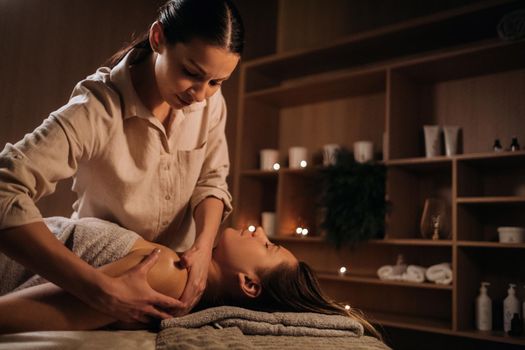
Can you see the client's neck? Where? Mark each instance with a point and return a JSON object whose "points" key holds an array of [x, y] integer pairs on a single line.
{"points": [[214, 287]]}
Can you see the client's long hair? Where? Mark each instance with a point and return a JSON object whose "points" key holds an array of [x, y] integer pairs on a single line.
{"points": [[288, 288]]}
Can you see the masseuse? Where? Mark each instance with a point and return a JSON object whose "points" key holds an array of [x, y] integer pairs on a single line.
{"points": [[144, 140]]}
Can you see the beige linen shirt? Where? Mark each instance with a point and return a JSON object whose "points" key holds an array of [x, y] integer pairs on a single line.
{"points": [[127, 168]]}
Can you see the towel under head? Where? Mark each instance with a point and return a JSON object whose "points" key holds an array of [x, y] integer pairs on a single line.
{"points": [[266, 323]]}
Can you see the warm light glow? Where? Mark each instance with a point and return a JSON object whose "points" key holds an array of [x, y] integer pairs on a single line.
{"points": [[303, 164], [347, 307], [342, 270], [276, 166], [304, 231], [299, 230], [251, 228]]}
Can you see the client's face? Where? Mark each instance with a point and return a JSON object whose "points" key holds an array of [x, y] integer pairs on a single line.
{"points": [[244, 251]]}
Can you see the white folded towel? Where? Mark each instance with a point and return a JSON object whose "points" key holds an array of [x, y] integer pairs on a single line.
{"points": [[387, 272], [440, 273], [414, 273]]}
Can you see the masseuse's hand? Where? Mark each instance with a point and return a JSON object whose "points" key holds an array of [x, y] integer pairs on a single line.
{"points": [[197, 261], [130, 298]]}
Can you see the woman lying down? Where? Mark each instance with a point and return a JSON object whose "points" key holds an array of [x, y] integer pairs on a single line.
{"points": [[246, 270]]}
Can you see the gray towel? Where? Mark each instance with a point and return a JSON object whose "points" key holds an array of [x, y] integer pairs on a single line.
{"points": [[266, 323], [95, 241]]}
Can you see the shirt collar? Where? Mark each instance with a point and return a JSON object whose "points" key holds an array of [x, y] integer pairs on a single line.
{"points": [[132, 105]]}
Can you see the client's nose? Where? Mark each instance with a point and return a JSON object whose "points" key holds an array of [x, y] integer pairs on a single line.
{"points": [[259, 233]]}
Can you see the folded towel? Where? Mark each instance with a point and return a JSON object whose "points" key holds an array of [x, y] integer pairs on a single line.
{"points": [[440, 273], [390, 273], [265, 323], [95, 241], [414, 273]]}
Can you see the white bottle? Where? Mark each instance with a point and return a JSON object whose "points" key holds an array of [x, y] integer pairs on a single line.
{"points": [[511, 306], [483, 309]]}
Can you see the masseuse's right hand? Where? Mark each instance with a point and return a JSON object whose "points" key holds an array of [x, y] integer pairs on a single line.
{"points": [[130, 298]]}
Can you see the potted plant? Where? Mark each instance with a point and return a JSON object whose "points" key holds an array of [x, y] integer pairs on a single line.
{"points": [[353, 199]]}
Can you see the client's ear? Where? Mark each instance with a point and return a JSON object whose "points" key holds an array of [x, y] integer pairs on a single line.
{"points": [[156, 37], [250, 286]]}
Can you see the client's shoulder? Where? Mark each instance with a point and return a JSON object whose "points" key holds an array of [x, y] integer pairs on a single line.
{"points": [[166, 276]]}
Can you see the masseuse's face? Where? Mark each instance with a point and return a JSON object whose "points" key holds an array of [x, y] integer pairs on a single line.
{"points": [[191, 72], [247, 252]]}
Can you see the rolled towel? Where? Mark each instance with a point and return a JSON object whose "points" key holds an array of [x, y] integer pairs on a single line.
{"points": [[387, 273], [414, 273], [440, 273]]}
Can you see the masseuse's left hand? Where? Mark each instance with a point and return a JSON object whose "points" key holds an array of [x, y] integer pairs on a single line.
{"points": [[197, 261]]}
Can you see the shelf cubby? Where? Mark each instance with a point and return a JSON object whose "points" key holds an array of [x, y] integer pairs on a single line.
{"points": [[408, 186], [482, 263], [437, 91], [402, 302], [498, 176], [263, 197], [479, 221]]}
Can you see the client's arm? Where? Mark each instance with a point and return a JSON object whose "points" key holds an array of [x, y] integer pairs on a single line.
{"points": [[48, 307]]}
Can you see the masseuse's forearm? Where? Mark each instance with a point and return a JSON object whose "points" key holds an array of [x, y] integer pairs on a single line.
{"points": [[34, 246], [208, 215]]}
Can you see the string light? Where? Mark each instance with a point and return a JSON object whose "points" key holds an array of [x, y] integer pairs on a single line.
{"points": [[342, 270], [276, 166], [303, 164], [299, 230], [251, 228], [304, 231], [347, 307]]}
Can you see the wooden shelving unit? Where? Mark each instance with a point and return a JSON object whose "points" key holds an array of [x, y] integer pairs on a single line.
{"points": [[383, 85]]}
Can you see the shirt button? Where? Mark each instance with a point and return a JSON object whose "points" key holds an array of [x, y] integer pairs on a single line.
{"points": [[167, 197]]}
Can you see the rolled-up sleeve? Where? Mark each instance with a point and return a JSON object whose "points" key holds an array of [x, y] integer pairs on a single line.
{"points": [[216, 166], [31, 168]]}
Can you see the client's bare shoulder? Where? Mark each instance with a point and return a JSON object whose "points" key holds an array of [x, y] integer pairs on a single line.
{"points": [[165, 277]]}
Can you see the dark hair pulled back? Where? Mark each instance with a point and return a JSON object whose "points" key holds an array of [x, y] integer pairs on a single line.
{"points": [[216, 22]]}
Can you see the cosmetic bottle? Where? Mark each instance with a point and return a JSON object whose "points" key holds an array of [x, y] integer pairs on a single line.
{"points": [[516, 326], [514, 145], [497, 146], [511, 306], [483, 309]]}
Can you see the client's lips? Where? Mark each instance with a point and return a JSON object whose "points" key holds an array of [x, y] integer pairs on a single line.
{"points": [[184, 102]]}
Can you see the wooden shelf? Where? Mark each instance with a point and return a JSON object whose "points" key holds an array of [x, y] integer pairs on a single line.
{"points": [[496, 336], [377, 281], [336, 85], [293, 239], [477, 244], [491, 200], [260, 173], [412, 242], [409, 322], [417, 35], [480, 158], [384, 85]]}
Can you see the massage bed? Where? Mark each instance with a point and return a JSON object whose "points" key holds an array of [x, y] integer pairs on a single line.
{"points": [[222, 327]]}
